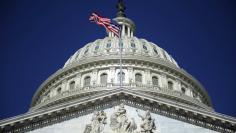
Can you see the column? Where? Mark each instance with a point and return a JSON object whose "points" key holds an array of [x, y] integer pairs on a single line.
{"points": [[128, 31], [189, 91], [130, 75], [112, 75], [147, 77], [177, 85], [64, 86], [163, 81], [78, 81], [123, 30], [94, 77]]}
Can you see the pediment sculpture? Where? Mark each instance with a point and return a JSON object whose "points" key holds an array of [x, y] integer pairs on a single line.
{"points": [[98, 122], [120, 123]]}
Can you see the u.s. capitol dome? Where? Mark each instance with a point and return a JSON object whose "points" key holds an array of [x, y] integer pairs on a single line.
{"points": [[146, 69]]}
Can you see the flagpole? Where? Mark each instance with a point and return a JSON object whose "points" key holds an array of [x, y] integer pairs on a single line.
{"points": [[120, 46]]}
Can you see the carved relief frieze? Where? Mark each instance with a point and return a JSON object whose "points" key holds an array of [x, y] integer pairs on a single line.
{"points": [[120, 122]]}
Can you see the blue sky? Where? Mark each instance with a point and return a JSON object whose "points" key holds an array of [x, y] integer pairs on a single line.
{"points": [[37, 37]]}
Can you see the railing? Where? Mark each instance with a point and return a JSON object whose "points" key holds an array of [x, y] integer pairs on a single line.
{"points": [[111, 86]]}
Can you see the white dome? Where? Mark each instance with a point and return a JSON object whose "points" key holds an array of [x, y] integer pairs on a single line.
{"points": [[110, 46], [146, 68]]}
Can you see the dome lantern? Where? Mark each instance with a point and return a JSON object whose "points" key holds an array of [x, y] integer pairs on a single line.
{"points": [[126, 24]]}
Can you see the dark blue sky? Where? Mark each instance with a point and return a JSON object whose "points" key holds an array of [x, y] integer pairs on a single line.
{"points": [[37, 37]]}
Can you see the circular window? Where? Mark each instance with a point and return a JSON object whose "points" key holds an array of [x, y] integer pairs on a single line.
{"points": [[155, 50], [144, 47]]}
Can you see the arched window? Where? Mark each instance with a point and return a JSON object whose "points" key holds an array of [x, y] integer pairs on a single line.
{"points": [[72, 85], [183, 90], [155, 50], [59, 90], [103, 78], [133, 45], [121, 76], [170, 85], [138, 78], [154, 80], [87, 81]]}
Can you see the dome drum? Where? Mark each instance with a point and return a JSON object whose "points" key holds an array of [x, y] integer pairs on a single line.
{"points": [[48, 94]]}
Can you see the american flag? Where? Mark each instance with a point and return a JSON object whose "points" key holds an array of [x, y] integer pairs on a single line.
{"points": [[105, 22]]}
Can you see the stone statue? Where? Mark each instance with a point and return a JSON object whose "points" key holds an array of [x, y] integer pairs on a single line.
{"points": [[148, 124], [131, 126], [98, 121], [120, 123]]}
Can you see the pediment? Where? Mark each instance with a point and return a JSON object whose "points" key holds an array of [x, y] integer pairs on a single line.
{"points": [[81, 112]]}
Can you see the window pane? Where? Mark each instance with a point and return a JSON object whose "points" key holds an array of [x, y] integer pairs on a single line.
{"points": [[138, 78], [72, 85], [132, 45], [170, 85], [154, 80], [103, 78], [87, 81], [122, 77]]}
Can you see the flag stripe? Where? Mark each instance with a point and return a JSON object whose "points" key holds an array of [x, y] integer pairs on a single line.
{"points": [[106, 23]]}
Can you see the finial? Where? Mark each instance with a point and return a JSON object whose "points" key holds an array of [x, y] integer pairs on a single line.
{"points": [[121, 8]]}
